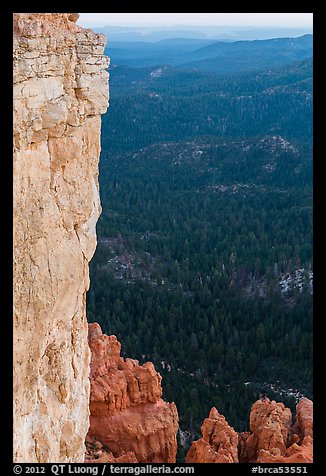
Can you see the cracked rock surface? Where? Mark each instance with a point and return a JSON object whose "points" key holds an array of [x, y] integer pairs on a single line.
{"points": [[60, 91]]}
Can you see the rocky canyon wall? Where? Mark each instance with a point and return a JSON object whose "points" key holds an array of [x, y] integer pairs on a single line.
{"points": [[60, 91], [128, 419], [272, 437]]}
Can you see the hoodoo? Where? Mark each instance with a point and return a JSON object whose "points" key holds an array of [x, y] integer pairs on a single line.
{"points": [[219, 443], [272, 437], [128, 414]]}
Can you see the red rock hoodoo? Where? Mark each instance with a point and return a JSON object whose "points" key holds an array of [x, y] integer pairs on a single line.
{"points": [[219, 443], [272, 437], [127, 414]]}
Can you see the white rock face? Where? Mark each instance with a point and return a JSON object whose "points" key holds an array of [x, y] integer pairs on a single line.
{"points": [[60, 91]]}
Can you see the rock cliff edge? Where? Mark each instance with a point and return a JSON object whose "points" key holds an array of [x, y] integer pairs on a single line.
{"points": [[60, 91]]}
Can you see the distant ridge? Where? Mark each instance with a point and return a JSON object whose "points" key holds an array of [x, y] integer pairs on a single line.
{"points": [[222, 32], [250, 55], [212, 56]]}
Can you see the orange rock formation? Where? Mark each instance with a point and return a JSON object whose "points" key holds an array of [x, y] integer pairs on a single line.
{"points": [[299, 444], [128, 414], [272, 439], [219, 443]]}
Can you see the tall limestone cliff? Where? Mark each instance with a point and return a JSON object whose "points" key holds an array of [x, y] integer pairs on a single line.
{"points": [[60, 91]]}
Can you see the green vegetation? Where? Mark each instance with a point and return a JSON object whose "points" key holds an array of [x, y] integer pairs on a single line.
{"points": [[181, 105], [204, 255]]}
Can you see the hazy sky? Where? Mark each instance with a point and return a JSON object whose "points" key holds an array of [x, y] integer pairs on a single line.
{"points": [[169, 19]]}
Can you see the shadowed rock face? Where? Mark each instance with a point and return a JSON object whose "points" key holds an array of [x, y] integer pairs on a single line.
{"points": [[128, 414], [272, 438], [60, 91], [96, 453]]}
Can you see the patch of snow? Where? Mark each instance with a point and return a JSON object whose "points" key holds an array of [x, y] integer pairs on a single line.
{"points": [[275, 142], [156, 73], [184, 437], [154, 95], [270, 167], [166, 366], [295, 280], [286, 392]]}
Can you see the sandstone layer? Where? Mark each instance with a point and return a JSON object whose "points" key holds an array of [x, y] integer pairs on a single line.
{"points": [[219, 443], [272, 437], [60, 91], [297, 440], [128, 414]]}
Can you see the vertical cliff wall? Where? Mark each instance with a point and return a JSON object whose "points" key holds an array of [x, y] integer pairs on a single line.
{"points": [[60, 91]]}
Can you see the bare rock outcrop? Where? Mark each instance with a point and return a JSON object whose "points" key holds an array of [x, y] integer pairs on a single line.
{"points": [[219, 443], [128, 414], [304, 423], [299, 445], [272, 437], [270, 425], [60, 91]]}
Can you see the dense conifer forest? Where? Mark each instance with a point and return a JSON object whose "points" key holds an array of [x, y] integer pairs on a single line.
{"points": [[204, 257]]}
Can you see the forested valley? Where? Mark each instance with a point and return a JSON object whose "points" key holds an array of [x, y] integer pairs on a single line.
{"points": [[204, 257]]}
